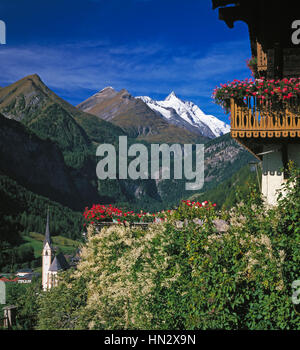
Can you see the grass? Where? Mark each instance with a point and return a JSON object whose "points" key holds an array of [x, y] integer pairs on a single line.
{"points": [[35, 240]]}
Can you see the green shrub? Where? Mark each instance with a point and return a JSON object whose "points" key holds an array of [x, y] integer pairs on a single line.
{"points": [[61, 308], [187, 274]]}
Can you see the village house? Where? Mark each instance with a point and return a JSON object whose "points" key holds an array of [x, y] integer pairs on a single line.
{"points": [[268, 125]]}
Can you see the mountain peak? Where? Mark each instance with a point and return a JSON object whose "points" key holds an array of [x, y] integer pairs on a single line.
{"points": [[32, 78], [107, 91], [188, 115], [172, 95], [108, 88]]}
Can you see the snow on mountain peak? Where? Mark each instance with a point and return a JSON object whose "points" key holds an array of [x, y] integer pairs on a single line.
{"points": [[171, 96], [107, 88], [146, 99], [188, 115]]}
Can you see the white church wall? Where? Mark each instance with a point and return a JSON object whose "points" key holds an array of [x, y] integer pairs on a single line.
{"points": [[47, 254]]}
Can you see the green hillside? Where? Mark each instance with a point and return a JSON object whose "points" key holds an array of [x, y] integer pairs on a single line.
{"points": [[35, 240], [228, 193], [23, 212], [32, 103], [28, 253]]}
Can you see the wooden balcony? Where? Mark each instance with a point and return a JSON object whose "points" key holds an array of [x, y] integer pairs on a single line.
{"points": [[253, 119]]}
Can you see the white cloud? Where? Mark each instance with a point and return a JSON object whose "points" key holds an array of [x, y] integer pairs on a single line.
{"points": [[154, 69]]}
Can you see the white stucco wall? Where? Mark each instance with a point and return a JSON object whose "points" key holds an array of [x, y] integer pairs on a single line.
{"points": [[272, 178]]}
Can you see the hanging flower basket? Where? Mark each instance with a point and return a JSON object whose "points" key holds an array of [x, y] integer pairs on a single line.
{"points": [[252, 65], [281, 93]]}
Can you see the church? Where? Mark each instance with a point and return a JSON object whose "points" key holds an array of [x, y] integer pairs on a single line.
{"points": [[52, 264]]}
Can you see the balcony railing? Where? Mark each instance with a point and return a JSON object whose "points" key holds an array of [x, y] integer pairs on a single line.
{"points": [[264, 119]]}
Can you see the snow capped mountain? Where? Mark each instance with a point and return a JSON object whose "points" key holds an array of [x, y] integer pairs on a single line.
{"points": [[187, 115]]}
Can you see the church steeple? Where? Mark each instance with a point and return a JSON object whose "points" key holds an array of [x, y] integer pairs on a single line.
{"points": [[47, 232]]}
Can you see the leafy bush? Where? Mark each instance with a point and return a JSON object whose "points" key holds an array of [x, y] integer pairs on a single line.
{"points": [[62, 307], [24, 296], [186, 272]]}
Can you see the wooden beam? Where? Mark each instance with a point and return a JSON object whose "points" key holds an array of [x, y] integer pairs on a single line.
{"points": [[231, 14]]}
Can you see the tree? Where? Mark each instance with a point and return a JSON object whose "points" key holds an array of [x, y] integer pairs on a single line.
{"points": [[62, 307], [24, 296]]}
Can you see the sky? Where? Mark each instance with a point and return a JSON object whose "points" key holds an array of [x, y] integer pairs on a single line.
{"points": [[149, 47]]}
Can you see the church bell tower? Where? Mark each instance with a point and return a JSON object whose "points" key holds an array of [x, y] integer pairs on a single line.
{"points": [[47, 255]]}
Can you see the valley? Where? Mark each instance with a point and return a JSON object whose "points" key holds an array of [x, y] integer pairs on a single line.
{"points": [[48, 155]]}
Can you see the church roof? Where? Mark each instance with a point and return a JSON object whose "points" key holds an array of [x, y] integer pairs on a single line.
{"points": [[47, 233], [59, 263]]}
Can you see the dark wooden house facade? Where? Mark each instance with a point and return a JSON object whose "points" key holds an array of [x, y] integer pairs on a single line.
{"points": [[271, 133]]}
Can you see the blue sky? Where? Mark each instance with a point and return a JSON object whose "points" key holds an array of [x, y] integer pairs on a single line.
{"points": [[149, 47]]}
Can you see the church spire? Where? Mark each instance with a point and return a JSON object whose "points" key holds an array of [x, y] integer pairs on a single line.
{"points": [[47, 233]]}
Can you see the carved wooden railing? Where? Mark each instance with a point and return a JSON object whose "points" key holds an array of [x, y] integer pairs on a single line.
{"points": [[264, 119]]}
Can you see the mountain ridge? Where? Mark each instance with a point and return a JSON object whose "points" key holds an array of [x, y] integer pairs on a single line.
{"points": [[28, 101], [76, 134], [187, 114], [136, 118]]}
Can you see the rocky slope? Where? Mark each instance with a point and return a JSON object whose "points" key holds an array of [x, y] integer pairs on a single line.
{"points": [[136, 118]]}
